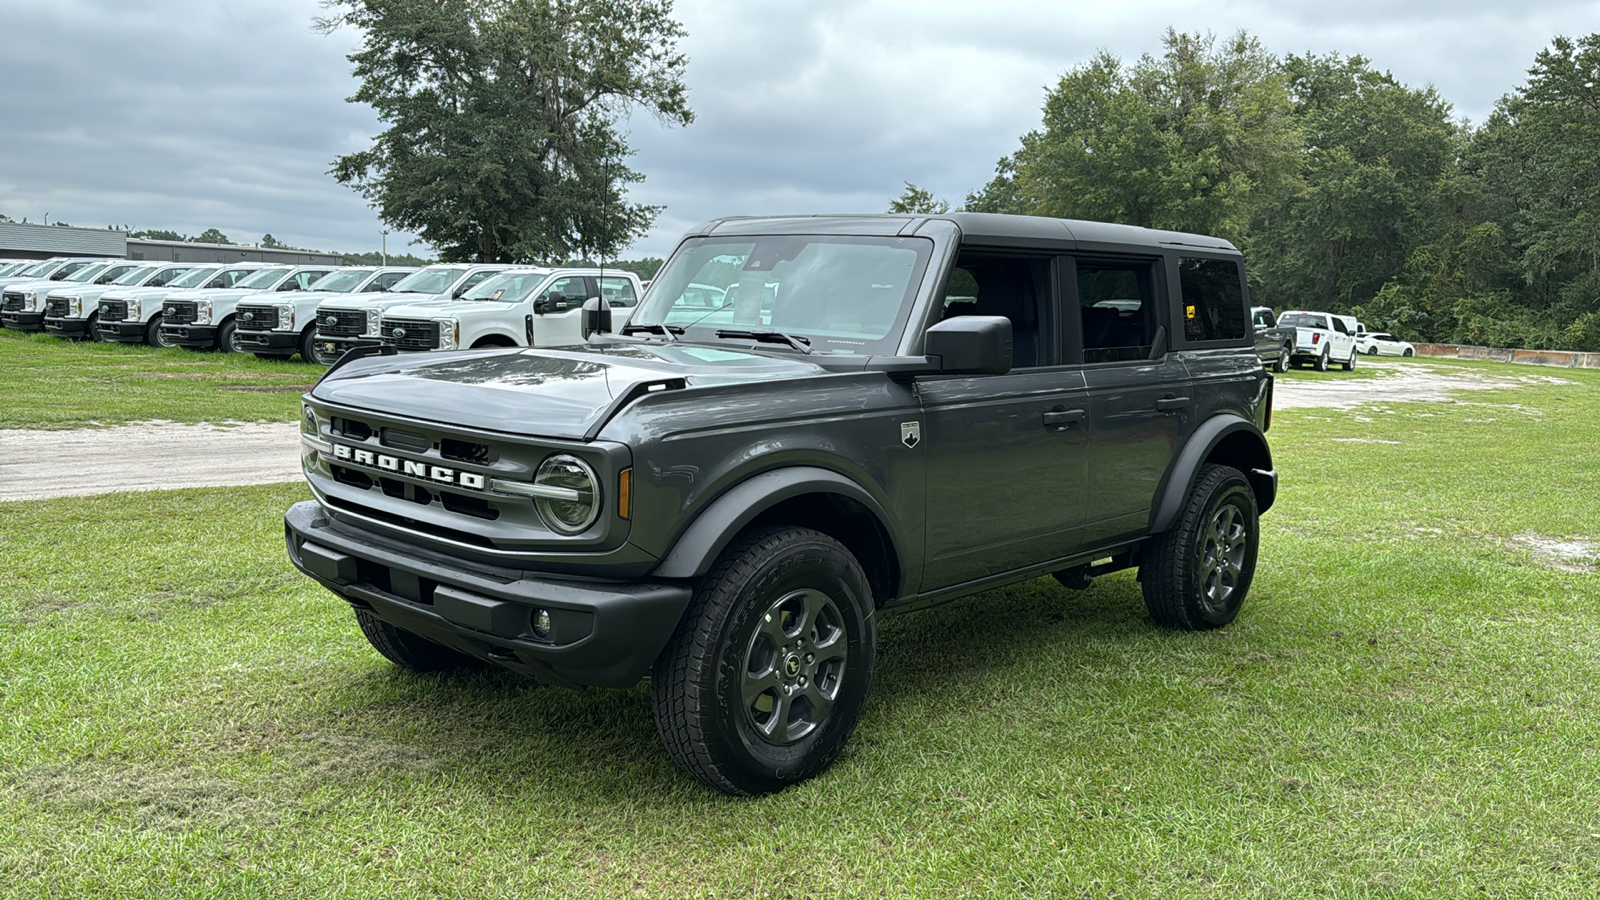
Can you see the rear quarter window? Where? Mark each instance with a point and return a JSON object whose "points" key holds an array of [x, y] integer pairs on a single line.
{"points": [[1213, 299]]}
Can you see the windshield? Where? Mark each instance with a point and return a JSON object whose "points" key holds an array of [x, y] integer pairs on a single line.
{"points": [[843, 294], [263, 278], [341, 282], [40, 270], [135, 276], [194, 277], [1304, 321], [87, 273], [427, 281], [507, 287], [8, 268]]}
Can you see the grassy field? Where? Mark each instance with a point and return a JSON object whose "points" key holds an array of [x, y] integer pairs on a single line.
{"points": [[52, 383], [1406, 707]]}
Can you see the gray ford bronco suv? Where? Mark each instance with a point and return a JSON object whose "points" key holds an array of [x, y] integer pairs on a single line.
{"points": [[807, 423]]}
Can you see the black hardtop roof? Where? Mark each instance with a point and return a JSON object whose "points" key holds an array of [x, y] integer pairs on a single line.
{"points": [[992, 229]]}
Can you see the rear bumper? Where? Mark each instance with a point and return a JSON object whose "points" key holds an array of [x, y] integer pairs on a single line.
{"points": [[23, 321], [604, 633], [202, 336]]}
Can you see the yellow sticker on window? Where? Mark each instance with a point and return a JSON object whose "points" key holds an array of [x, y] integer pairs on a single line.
{"points": [[1188, 312]]}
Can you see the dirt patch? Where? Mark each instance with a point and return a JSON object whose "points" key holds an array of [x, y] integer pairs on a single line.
{"points": [[1576, 555], [1411, 382], [145, 457], [152, 798], [211, 376]]}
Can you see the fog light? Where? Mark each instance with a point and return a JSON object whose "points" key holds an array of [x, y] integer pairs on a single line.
{"points": [[541, 622]]}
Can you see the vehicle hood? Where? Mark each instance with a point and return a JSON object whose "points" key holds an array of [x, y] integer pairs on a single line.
{"points": [[549, 393], [428, 308], [33, 284], [146, 293], [81, 291], [373, 300], [216, 294]]}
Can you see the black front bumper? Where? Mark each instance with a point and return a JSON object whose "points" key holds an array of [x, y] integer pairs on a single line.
{"points": [[23, 321], [604, 634], [338, 346], [267, 340], [123, 332], [67, 327], [197, 336]]}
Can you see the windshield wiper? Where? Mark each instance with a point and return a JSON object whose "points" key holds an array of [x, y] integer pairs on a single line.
{"points": [[770, 337], [671, 332]]}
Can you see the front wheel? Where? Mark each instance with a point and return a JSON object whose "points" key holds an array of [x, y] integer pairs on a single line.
{"points": [[228, 338], [318, 355], [765, 678], [93, 330], [153, 335], [308, 344], [1409, 352], [1196, 574], [1373, 350]]}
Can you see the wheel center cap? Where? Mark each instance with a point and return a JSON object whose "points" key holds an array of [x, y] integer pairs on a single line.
{"points": [[791, 666]]}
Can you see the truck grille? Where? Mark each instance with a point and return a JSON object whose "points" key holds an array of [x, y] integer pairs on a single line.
{"points": [[12, 302], [258, 318], [410, 334], [113, 310], [55, 307], [179, 312], [341, 322]]}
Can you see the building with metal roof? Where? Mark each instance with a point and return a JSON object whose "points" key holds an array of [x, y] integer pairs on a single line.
{"points": [[21, 240]]}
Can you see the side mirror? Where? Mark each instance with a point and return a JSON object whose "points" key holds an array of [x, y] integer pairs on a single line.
{"points": [[596, 319], [541, 306], [970, 345]]}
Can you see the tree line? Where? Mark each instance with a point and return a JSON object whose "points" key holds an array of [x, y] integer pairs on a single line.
{"points": [[1347, 190]]}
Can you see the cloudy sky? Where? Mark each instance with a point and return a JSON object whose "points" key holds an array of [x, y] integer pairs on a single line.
{"points": [[191, 114]]}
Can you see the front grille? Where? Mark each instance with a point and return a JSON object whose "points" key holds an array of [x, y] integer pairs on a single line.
{"points": [[12, 302], [410, 334], [113, 310], [342, 322], [56, 307], [258, 318], [179, 312]]}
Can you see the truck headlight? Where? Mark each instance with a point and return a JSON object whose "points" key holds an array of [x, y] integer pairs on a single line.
{"points": [[374, 323], [449, 333], [571, 501], [29, 299], [202, 312], [75, 307], [134, 310], [285, 316]]}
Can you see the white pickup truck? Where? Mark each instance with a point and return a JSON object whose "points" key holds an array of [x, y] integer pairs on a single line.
{"points": [[351, 320], [1320, 338], [531, 307], [132, 315], [280, 325]]}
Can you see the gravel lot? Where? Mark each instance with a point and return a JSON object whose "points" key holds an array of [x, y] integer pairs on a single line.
{"points": [[158, 456]]}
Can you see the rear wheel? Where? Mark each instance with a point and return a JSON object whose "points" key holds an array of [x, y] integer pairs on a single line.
{"points": [[1321, 365], [1283, 361], [765, 678], [407, 650], [1197, 573], [1350, 364]]}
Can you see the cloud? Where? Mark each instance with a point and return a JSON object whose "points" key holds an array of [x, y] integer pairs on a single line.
{"points": [[182, 115]]}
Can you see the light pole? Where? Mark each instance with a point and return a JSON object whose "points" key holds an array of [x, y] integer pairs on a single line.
{"points": [[385, 251]]}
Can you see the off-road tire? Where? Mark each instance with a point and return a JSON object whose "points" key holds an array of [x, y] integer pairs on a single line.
{"points": [[226, 341], [1282, 364], [1321, 365], [1211, 547], [726, 646], [152, 333], [407, 650]]}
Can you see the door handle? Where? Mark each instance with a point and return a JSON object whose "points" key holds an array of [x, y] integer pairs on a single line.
{"points": [[1062, 417], [1168, 404]]}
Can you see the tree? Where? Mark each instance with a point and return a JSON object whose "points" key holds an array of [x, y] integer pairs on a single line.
{"points": [[502, 140], [272, 243], [917, 200], [158, 234], [211, 236]]}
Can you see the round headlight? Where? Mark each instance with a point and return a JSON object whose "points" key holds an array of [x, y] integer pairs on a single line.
{"points": [[580, 504]]}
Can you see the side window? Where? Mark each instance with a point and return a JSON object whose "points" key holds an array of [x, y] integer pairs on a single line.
{"points": [[1264, 319], [386, 280], [471, 282], [565, 293], [1118, 310], [1011, 286], [618, 292], [1338, 325], [161, 278], [1213, 299]]}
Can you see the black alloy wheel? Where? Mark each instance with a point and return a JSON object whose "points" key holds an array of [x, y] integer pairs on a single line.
{"points": [[766, 676], [1197, 573]]}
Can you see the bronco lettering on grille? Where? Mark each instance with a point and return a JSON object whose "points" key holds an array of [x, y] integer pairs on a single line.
{"points": [[414, 468]]}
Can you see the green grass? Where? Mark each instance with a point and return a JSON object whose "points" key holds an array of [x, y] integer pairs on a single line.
{"points": [[1406, 707], [54, 383]]}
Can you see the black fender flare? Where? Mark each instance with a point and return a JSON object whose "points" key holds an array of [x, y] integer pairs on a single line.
{"points": [[716, 526], [1175, 489]]}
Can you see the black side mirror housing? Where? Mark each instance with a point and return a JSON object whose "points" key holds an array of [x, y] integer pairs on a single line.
{"points": [[596, 318], [970, 345], [541, 306]]}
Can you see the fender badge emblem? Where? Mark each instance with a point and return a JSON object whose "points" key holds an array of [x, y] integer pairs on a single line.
{"points": [[910, 433]]}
